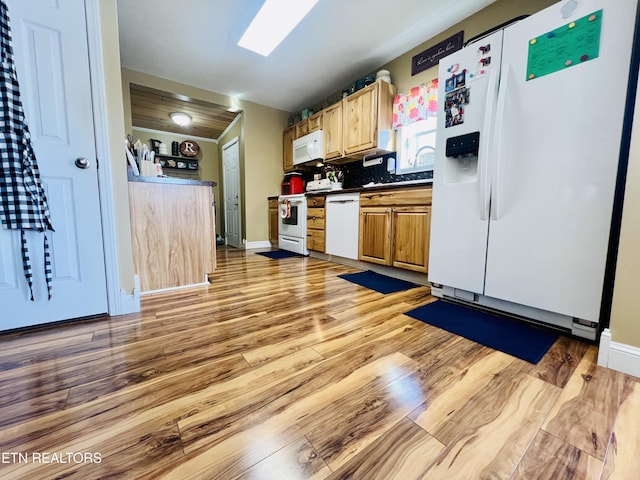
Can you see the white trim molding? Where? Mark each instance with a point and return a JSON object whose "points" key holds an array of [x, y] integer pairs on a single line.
{"points": [[118, 302], [179, 135], [618, 356], [230, 126], [174, 289], [130, 303], [258, 244]]}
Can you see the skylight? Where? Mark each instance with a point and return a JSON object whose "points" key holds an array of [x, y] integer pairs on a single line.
{"points": [[273, 22]]}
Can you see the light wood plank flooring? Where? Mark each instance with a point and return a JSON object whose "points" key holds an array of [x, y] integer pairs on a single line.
{"points": [[281, 370]]}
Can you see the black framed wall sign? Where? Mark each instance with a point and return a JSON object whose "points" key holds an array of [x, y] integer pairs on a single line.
{"points": [[431, 56]]}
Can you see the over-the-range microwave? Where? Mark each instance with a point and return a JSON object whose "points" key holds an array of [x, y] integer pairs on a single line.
{"points": [[309, 148]]}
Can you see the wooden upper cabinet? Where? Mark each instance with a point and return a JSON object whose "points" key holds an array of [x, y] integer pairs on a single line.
{"points": [[287, 148], [302, 128], [332, 125], [352, 126], [360, 120], [367, 112], [314, 122]]}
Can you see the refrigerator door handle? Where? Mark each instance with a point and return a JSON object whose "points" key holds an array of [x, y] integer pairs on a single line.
{"points": [[484, 158], [497, 150]]}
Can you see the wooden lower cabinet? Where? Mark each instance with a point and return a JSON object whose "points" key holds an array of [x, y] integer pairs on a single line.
{"points": [[393, 232], [274, 221], [411, 228], [316, 224], [375, 235]]}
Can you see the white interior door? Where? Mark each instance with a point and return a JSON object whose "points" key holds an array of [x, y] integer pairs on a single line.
{"points": [[231, 178], [51, 56]]}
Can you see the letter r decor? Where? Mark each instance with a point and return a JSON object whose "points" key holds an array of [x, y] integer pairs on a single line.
{"points": [[189, 148]]}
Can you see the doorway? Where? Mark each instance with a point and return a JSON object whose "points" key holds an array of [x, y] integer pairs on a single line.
{"points": [[232, 198]]}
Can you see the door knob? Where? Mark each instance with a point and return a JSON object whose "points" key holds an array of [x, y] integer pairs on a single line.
{"points": [[82, 163]]}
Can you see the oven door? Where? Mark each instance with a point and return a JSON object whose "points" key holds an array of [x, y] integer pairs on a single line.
{"points": [[292, 217]]}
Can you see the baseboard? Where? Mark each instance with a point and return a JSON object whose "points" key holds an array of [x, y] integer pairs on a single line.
{"points": [[173, 289], [129, 303], [259, 244], [618, 356], [399, 273]]}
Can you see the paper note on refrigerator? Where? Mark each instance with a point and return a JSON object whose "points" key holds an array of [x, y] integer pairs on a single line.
{"points": [[569, 45]]}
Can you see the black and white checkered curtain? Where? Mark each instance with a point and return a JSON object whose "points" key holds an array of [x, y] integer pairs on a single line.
{"points": [[23, 203]]}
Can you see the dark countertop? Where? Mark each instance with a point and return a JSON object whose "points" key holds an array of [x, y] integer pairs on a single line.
{"points": [[382, 186], [169, 180]]}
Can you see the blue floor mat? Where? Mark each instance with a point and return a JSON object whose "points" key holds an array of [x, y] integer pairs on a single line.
{"points": [[507, 335], [377, 282], [276, 254]]}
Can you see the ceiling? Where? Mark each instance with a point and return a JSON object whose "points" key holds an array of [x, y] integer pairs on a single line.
{"points": [[151, 109], [194, 42]]}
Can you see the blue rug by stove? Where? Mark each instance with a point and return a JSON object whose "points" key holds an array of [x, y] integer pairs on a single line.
{"points": [[277, 254], [500, 333], [379, 283]]}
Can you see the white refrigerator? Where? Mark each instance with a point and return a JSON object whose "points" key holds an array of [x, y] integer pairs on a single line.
{"points": [[529, 132]]}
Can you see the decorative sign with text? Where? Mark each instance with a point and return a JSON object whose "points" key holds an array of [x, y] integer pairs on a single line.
{"points": [[431, 56]]}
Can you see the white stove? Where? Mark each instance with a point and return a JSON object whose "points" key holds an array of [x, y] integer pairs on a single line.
{"points": [[292, 227]]}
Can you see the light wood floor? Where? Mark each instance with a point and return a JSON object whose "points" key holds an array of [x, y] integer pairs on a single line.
{"points": [[280, 370]]}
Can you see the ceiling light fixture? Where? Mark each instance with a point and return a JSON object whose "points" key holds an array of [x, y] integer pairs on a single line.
{"points": [[180, 118], [273, 22]]}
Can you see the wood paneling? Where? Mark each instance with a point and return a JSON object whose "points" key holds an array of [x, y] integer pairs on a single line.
{"points": [[280, 369], [151, 108], [173, 233]]}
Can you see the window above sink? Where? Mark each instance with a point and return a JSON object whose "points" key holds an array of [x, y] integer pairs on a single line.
{"points": [[416, 147]]}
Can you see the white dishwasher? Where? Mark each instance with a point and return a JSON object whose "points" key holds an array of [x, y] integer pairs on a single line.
{"points": [[342, 220]]}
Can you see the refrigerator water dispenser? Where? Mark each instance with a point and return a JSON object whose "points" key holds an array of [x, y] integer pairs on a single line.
{"points": [[462, 158]]}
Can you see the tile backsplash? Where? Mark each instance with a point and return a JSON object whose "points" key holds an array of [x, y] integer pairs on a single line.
{"points": [[357, 175]]}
